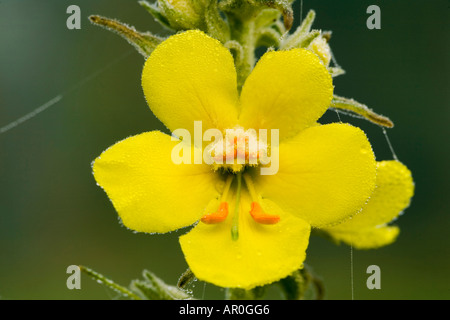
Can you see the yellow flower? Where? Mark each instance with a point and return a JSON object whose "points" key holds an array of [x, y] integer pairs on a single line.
{"points": [[252, 229], [368, 229]]}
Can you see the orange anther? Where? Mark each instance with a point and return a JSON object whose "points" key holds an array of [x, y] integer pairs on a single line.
{"points": [[218, 216], [260, 216]]}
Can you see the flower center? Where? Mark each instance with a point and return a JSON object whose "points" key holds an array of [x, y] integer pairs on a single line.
{"points": [[238, 149], [256, 210]]}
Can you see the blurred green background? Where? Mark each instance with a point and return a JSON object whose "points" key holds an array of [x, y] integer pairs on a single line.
{"points": [[53, 215]]}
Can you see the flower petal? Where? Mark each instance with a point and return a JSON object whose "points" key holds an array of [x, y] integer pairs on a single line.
{"points": [[262, 254], [149, 191], [369, 238], [326, 174], [189, 77], [287, 90], [393, 193], [391, 196]]}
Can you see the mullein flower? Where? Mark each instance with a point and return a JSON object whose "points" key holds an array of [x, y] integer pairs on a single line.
{"points": [[249, 229]]}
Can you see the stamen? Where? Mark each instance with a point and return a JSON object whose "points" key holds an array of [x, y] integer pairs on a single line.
{"points": [[256, 210], [227, 187], [260, 216], [218, 216], [251, 187], [221, 213], [234, 228]]}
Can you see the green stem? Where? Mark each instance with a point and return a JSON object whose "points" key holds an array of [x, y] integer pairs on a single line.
{"points": [[235, 228], [246, 37]]}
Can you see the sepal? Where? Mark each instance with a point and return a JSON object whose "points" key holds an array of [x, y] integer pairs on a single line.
{"points": [[144, 43], [359, 109], [153, 288]]}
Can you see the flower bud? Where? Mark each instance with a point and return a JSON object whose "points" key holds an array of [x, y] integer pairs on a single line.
{"points": [[321, 48], [182, 14]]}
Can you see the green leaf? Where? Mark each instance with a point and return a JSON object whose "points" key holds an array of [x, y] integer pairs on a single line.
{"points": [[360, 109], [124, 292], [303, 41], [147, 291], [306, 41], [145, 43], [156, 13], [153, 288], [293, 40]]}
